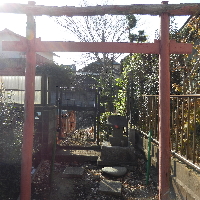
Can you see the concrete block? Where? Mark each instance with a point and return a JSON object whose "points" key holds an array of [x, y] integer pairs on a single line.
{"points": [[185, 181], [110, 187], [73, 172]]}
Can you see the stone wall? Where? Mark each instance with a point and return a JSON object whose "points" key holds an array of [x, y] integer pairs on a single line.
{"points": [[45, 128], [185, 181]]}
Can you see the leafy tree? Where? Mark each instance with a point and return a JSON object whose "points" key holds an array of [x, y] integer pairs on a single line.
{"points": [[184, 68], [11, 120], [140, 71], [188, 65], [59, 75], [132, 21], [85, 81]]}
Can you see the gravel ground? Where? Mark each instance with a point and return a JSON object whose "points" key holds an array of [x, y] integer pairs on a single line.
{"points": [[83, 137], [86, 188]]}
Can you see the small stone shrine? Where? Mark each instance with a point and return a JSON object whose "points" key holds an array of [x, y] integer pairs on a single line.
{"points": [[118, 152], [118, 123]]}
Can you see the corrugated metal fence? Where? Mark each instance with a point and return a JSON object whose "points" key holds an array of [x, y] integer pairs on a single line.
{"points": [[14, 88]]}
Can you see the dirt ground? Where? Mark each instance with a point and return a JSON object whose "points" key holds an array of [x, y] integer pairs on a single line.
{"points": [[86, 188]]}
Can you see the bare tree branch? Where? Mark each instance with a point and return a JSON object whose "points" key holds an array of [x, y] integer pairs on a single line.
{"points": [[108, 28]]}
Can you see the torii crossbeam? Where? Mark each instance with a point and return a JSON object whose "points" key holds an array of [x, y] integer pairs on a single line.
{"points": [[163, 47], [103, 47]]}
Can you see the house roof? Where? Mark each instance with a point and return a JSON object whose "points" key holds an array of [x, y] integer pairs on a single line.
{"points": [[7, 31], [186, 22]]}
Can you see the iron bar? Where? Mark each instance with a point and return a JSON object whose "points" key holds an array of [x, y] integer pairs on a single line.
{"points": [[197, 168], [148, 157], [60, 102], [98, 115], [188, 128], [146, 116], [195, 131], [154, 117], [142, 114], [182, 127], [95, 116], [172, 121], [179, 137], [177, 124], [157, 118], [181, 95]]}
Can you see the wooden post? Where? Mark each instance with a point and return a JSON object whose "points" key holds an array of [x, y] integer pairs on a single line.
{"points": [[26, 165], [164, 109]]}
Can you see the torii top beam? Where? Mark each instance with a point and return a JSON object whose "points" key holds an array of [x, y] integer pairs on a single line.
{"points": [[143, 9]]}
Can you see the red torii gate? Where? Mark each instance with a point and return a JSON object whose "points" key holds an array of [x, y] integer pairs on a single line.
{"points": [[164, 47]]}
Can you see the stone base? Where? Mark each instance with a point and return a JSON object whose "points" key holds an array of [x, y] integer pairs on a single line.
{"points": [[115, 171], [115, 155]]}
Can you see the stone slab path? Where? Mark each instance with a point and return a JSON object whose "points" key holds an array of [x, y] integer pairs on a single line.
{"points": [[110, 187], [72, 172]]}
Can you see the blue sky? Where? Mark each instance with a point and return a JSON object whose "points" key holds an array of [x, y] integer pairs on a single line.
{"points": [[48, 30]]}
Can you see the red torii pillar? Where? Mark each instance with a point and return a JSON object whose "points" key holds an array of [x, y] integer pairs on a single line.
{"points": [[164, 110], [163, 47], [28, 131]]}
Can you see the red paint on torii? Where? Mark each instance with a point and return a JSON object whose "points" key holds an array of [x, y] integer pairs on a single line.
{"points": [[140, 9], [103, 47]]}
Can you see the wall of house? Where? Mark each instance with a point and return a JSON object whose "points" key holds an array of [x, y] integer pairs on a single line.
{"points": [[9, 54], [7, 35], [44, 57], [15, 88], [185, 181]]}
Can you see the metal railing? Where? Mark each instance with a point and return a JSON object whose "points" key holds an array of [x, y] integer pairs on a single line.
{"points": [[184, 123]]}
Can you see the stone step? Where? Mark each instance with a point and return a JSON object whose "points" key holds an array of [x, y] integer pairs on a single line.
{"points": [[110, 187], [73, 172], [77, 155], [79, 147]]}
